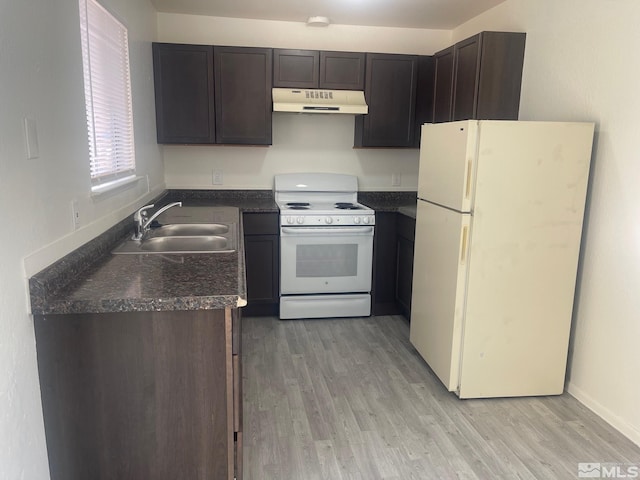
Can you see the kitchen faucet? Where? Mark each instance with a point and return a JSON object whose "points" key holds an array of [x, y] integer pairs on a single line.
{"points": [[141, 221]]}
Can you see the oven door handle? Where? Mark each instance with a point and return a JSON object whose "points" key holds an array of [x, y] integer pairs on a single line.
{"points": [[327, 230]]}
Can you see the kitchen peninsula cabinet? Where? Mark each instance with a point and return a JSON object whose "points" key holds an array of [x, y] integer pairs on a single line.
{"points": [[212, 95], [480, 78], [262, 258], [139, 358], [390, 92], [140, 395], [318, 69]]}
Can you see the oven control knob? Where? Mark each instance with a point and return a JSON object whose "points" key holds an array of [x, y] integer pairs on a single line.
{"points": [[356, 220], [300, 220], [366, 220], [328, 220], [289, 220]]}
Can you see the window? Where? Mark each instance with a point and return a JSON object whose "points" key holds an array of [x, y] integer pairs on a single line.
{"points": [[107, 91]]}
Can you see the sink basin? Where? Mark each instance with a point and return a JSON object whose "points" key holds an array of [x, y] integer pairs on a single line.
{"points": [[199, 244], [189, 230], [210, 231], [167, 245]]}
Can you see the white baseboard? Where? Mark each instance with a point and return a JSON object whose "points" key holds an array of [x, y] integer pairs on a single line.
{"points": [[629, 431]]}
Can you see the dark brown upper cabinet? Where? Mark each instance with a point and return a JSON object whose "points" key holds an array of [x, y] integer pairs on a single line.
{"points": [[314, 69], [207, 95], [500, 76], [342, 70], [390, 92], [296, 68], [480, 78], [424, 95], [183, 76], [443, 85], [243, 95]]}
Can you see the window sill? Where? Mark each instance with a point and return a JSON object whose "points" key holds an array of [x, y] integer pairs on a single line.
{"points": [[109, 187]]}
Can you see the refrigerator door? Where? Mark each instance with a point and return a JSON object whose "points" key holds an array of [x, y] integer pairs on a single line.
{"points": [[447, 164], [527, 223], [439, 280]]}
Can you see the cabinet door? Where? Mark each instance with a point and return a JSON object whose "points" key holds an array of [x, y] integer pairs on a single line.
{"points": [[424, 94], [296, 68], [243, 95], [390, 91], [467, 74], [262, 263], [342, 70], [443, 90], [502, 57], [383, 294], [262, 253], [404, 267], [183, 76]]}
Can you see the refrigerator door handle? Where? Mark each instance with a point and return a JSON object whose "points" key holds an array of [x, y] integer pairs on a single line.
{"points": [[463, 250], [467, 191]]}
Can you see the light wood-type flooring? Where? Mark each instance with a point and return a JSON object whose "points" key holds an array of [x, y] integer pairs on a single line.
{"points": [[351, 399]]}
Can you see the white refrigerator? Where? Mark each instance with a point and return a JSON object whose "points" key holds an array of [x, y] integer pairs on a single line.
{"points": [[498, 230]]}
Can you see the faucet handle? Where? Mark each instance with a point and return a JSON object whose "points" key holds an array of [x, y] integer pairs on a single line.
{"points": [[142, 212]]}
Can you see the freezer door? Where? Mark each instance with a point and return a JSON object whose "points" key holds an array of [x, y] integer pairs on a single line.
{"points": [[439, 280], [447, 164]]}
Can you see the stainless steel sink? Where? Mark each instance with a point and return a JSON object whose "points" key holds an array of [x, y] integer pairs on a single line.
{"points": [[189, 230], [209, 243], [183, 238]]}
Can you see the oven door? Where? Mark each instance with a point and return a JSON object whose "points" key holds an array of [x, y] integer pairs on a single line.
{"points": [[325, 259]]}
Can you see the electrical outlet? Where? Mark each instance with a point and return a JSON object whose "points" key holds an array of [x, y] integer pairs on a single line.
{"points": [[76, 213], [217, 177], [396, 179]]}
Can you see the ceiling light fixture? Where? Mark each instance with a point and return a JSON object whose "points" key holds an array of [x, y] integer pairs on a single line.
{"points": [[318, 22]]}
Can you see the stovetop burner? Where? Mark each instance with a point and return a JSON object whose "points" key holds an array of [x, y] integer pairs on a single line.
{"points": [[298, 205], [347, 206]]}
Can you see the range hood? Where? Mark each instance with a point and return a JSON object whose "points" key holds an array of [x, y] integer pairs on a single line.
{"points": [[319, 101]]}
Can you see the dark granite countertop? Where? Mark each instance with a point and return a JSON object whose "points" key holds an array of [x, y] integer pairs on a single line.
{"points": [[92, 280], [257, 201], [401, 202]]}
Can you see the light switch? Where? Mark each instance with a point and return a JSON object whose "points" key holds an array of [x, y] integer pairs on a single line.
{"points": [[31, 138]]}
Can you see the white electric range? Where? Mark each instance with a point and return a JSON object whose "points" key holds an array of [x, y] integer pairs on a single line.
{"points": [[326, 246]]}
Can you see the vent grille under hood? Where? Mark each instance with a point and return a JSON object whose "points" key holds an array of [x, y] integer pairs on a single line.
{"points": [[319, 101]]}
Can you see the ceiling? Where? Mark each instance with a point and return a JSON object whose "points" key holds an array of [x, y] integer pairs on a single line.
{"points": [[431, 14]]}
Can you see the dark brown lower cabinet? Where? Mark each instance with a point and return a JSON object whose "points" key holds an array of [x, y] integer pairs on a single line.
{"points": [[384, 265], [141, 395], [392, 264], [262, 263], [406, 230]]}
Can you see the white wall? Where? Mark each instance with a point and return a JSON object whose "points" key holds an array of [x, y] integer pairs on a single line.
{"points": [[41, 78], [301, 143], [581, 63]]}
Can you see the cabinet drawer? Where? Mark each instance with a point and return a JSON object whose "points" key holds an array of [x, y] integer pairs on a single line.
{"points": [[260, 223]]}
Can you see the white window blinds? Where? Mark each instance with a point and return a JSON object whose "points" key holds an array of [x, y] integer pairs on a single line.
{"points": [[107, 89]]}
